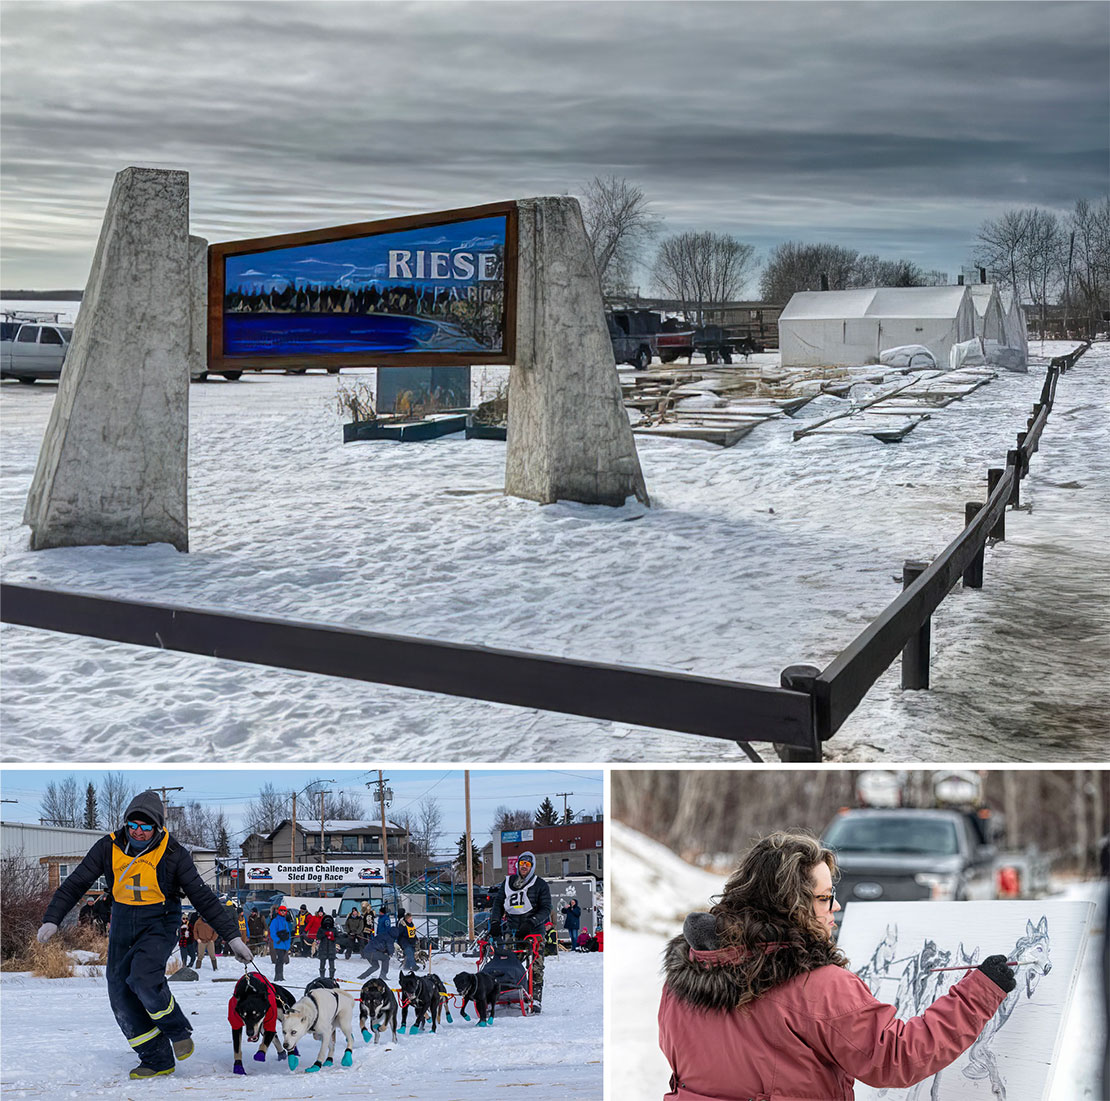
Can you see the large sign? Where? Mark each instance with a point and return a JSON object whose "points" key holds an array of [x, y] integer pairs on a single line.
{"points": [[255, 875], [434, 290], [517, 836]]}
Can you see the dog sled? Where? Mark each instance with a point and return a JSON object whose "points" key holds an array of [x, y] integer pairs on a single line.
{"points": [[513, 968]]}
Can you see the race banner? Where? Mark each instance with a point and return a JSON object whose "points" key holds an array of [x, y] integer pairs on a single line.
{"points": [[332, 873]]}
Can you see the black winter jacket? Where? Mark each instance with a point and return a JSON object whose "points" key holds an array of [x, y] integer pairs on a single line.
{"points": [[177, 876]]}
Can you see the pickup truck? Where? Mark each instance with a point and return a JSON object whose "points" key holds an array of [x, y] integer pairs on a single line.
{"points": [[32, 350], [902, 854], [633, 335]]}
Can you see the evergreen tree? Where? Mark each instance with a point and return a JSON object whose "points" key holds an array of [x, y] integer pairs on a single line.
{"points": [[475, 859], [569, 816], [90, 808], [547, 815], [223, 842]]}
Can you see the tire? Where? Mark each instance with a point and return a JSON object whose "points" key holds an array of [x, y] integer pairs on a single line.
{"points": [[232, 376], [202, 377], [26, 381], [712, 355], [642, 360], [668, 357], [726, 357], [333, 370]]}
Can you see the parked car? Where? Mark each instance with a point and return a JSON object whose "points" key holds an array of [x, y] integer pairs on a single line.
{"points": [[902, 854], [31, 350]]}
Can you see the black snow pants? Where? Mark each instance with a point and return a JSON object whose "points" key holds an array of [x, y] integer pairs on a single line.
{"points": [[140, 941]]}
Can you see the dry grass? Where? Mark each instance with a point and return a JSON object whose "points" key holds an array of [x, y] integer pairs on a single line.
{"points": [[53, 961], [50, 961], [356, 401], [173, 966]]}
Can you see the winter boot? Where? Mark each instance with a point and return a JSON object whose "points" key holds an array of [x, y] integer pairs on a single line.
{"points": [[144, 1071], [182, 1049]]}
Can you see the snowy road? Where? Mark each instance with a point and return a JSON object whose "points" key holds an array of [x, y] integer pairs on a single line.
{"points": [[753, 558], [60, 1040]]}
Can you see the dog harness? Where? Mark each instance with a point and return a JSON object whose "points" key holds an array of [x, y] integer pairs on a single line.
{"points": [[269, 1022], [135, 878]]}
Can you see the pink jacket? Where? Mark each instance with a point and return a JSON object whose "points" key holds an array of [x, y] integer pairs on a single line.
{"points": [[807, 1039]]}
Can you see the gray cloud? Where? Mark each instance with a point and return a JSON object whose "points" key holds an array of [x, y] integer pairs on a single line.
{"points": [[888, 126]]}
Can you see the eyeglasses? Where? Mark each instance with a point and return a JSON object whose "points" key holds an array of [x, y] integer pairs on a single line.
{"points": [[829, 900], [140, 827]]}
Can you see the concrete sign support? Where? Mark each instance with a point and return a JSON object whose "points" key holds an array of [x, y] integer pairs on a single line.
{"points": [[568, 436], [113, 464], [198, 307]]}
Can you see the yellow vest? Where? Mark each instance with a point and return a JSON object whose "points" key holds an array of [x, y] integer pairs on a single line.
{"points": [[135, 878]]}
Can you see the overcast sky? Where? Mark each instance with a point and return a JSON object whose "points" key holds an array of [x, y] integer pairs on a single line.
{"points": [[891, 127], [233, 788]]}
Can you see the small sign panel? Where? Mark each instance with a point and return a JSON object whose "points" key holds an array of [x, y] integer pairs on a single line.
{"points": [[330, 873], [434, 290]]}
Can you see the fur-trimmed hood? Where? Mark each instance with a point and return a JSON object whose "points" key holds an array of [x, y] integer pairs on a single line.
{"points": [[703, 974]]}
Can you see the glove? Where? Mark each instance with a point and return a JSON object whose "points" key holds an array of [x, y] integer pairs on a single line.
{"points": [[46, 930], [239, 950], [999, 972]]}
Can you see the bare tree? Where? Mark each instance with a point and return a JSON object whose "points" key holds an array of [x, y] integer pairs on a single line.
{"points": [[429, 824], [114, 795], [1044, 260], [504, 818], [873, 271], [344, 806], [1002, 247], [703, 269], [795, 266], [1089, 228], [619, 224], [62, 803], [264, 814]]}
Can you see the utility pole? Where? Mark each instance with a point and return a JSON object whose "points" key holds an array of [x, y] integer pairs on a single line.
{"points": [[564, 795], [293, 841], [385, 835], [323, 859], [164, 790], [469, 866]]}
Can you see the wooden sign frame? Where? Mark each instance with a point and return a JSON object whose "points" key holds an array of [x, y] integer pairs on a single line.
{"points": [[218, 253]]}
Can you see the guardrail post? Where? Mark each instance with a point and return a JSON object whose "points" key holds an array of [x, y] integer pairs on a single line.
{"points": [[1023, 459], [915, 656], [1013, 458], [973, 575], [800, 678], [994, 476]]}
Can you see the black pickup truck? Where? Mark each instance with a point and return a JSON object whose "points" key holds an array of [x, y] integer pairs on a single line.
{"points": [[633, 333]]}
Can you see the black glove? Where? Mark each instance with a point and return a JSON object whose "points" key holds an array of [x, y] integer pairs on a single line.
{"points": [[999, 972]]}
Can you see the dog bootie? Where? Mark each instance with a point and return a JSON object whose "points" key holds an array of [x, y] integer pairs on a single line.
{"points": [[293, 1061], [449, 1018], [312, 1069], [327, 1061], [465, 1016], [347, 1059], [182, 1049], [401, 1030], [483, 1024], [365, 1036], [260, 1057], [144, 1071], [238, 1068]]}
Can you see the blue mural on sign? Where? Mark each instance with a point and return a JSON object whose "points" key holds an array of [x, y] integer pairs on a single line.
{"points": [[433, 289]]}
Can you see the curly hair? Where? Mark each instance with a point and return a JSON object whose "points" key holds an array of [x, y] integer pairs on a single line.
{"points": [[766, 912]]}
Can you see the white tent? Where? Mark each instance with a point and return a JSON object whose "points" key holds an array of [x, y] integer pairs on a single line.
{"points": [[989, 323], [845, 328], [1015, 325]]}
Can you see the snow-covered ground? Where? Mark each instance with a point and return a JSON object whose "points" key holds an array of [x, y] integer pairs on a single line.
{"points": [[752, 558], [60, 1040], [654, 890]]}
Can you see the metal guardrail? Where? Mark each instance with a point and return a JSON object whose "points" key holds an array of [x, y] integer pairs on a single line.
{"points": [[807, 709]]}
